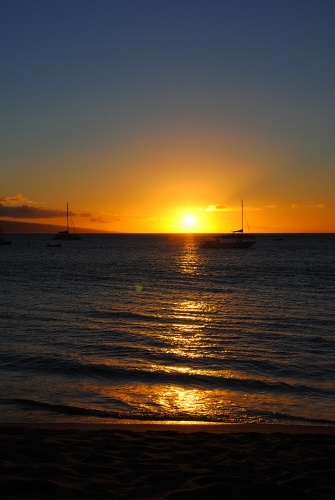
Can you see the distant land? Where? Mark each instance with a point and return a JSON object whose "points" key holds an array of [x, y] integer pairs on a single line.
{"points": [[14, 227]]}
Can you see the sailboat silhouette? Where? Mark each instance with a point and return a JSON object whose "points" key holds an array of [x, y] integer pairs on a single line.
{"points": [[67, 235], [235, 239]]}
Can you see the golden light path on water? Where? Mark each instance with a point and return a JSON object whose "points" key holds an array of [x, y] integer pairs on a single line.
{"points": [[187, 340]]}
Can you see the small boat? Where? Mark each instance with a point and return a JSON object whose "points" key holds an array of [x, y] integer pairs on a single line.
{"points": [[235, 239], [67, 235], [54, 245], [4, 241]]}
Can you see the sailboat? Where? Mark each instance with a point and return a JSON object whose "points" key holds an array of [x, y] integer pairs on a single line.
{"points": [[235, 239], [67, 235]]}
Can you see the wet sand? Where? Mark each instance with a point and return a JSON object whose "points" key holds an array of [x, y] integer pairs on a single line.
{"points": [[165, 461]]}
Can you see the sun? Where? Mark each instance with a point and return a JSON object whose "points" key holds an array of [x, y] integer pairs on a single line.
{"points": [[189, 220]]}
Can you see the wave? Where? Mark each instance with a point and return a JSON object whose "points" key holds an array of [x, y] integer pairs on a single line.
{"points": [[136, 415], [194, 378]]}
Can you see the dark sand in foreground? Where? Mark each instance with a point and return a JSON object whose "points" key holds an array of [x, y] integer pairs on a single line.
{"points": [[166, 461]]}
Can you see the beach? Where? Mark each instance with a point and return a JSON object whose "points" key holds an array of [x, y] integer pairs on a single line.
{"points": [[166, 461]]}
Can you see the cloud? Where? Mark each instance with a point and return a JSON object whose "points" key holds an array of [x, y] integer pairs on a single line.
{"points": [[110, 219], [217, 208], [17, 200], [105, 220], [224, 208], [310, 205], [19, 207], [27, 212]]}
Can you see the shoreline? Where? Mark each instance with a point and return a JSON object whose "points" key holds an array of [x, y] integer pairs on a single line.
{"points": [[183, 427]]}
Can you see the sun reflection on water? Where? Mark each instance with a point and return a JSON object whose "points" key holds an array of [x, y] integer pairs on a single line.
{"points": [[189, 259], [188, 336], [180, 403], [175, 398], [169, 402]]}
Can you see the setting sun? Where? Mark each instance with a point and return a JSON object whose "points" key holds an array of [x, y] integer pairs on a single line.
{"points": [[189, 220]]}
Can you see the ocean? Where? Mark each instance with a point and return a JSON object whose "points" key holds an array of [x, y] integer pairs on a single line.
{"points": [[153, 328]]}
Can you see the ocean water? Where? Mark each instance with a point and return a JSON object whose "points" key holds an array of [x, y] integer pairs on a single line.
{"points": [[145, 328]]}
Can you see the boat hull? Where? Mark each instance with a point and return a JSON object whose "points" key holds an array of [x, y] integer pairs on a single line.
{"points": [[64, 237]]}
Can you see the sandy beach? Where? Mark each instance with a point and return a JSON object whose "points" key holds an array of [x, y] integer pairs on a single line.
{"points": [[64, 461]]}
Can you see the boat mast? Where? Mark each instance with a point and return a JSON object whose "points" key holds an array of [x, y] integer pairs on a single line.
{"points": [[67, 215], [242, 215]]}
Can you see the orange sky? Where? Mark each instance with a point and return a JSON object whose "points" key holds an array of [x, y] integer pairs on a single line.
{"points": [[140, 113]]}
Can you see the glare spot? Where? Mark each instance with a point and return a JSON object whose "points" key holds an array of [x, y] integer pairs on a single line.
{"points": [[189, 220]]}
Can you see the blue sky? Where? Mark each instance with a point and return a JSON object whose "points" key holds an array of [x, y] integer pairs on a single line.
{"points": [[137, 111]]}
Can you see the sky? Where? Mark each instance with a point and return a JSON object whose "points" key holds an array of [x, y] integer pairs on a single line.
{"points": [[151, 116]]}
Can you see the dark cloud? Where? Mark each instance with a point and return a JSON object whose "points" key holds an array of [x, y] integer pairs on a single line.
{"points": [[27, 212], [20, 207]]}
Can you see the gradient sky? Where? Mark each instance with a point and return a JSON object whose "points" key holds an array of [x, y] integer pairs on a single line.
{"points": [[139, 112]]}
